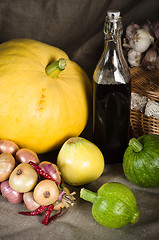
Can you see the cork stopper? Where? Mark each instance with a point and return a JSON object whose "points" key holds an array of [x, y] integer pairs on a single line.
{"points": [[113, 14]]}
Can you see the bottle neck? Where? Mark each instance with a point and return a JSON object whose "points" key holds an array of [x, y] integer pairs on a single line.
{"points": [[113, 30], [112, 67], [112, 34], [113, 53]]}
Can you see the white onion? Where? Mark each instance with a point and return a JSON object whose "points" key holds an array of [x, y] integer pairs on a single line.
{"points": [[23, 178], [46, 192]]}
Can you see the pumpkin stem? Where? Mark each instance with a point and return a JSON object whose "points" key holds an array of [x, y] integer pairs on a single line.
{"points": [[55, 68], [88, 195], [135, 144]]}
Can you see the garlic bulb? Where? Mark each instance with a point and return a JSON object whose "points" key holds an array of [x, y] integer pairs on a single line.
{"points": [[141, 40], [155, 28], [138, 102], [150, 58], [134, 58], [131, 29], [152, 109]]}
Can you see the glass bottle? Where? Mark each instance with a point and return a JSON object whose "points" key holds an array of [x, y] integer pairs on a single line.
{"points": [[111, 94]]}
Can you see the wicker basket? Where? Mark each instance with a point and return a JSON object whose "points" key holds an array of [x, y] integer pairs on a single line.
{"points": [[145, 83]]}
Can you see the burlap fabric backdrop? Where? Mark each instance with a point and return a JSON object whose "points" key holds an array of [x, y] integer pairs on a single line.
{"points": [[76, 27]]}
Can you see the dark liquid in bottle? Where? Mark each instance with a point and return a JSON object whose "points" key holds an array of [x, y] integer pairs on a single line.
{"points": [[111, 119]]}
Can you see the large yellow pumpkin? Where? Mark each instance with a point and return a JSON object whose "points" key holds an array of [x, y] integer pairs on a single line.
{"points": [[37, 110]]}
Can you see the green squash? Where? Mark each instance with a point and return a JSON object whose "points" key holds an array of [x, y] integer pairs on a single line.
{"points": [[114, 205], [141, 161]]}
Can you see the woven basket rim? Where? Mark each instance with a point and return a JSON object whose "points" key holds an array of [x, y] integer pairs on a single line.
{"points": [[145, 83]]}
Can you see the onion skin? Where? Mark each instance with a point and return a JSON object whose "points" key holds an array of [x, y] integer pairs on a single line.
{"points": [[51, 169], [25, 155], [58, 205], [11, 195], [46, 192], [7, 164], [7, 146], [29, 201], [23, 178]]}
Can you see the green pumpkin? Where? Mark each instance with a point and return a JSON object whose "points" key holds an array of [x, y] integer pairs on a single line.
{"points": [[114, 205], [141, 161]]}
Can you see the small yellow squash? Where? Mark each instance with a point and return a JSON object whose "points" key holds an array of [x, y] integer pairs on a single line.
{"points": [[41, 105]]}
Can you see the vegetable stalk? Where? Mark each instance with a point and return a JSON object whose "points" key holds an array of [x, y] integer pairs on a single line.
{"points": [[55, 68], [88, 195], [135, 144]]}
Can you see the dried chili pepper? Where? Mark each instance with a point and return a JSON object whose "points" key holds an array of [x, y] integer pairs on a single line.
{"points": [[55, 216], [47, 214], [41, 172], [35, 212]]}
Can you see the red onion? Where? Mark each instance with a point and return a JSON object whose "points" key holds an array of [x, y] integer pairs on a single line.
{"points": [[7, 164], [25, 155], [7, 146], [51, 169], [10, 194], [29, 201]]}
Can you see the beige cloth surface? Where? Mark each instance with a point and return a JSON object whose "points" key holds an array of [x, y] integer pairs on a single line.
{"points": [[76, 27], [78, 223]]}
